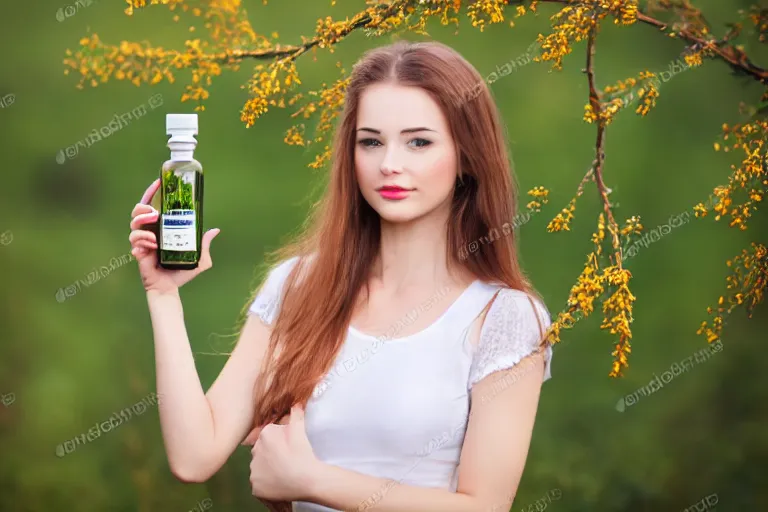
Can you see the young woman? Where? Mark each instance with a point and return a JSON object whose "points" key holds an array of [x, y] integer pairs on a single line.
{"points": [[381, 365]]}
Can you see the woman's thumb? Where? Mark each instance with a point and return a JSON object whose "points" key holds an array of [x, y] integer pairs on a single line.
{"points": [[252, 437], [208, 236], [205, 253]]}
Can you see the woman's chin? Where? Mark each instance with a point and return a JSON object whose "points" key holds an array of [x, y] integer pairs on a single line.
{"points": [[397, 214]]}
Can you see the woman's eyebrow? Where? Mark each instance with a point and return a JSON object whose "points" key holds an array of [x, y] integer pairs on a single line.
{"points": [[407, 130]]}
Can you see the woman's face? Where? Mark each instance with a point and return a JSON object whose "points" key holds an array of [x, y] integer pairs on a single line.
{"points": [[403, 140]]}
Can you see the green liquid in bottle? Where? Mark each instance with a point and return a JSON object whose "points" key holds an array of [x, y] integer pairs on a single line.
{"points": [[181, 215]]}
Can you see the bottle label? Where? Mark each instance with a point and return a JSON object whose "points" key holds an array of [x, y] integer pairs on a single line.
{"points": [[179, 230]]}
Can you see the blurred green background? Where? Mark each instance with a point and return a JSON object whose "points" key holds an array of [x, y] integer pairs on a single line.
{"points": [[71, 364]]}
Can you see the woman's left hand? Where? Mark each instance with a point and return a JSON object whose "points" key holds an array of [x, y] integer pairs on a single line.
{"points": [[283, 464]]}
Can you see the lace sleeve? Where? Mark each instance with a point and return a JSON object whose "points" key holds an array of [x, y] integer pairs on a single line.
{"points": [[511, 331], [267, 302]]}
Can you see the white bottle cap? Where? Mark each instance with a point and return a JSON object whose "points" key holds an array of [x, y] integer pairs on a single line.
{"points": [[183, 122], [182, 128]]}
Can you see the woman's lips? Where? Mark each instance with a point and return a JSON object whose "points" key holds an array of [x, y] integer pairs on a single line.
{"points": [[394, 193]]}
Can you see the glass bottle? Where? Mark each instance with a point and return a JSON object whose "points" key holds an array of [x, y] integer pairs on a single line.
{"points": [[181, 197]]}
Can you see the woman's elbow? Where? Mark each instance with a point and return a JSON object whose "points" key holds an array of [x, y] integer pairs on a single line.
{"points": [[191, 473]]}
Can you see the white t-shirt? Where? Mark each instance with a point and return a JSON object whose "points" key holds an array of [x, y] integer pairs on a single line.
{"points": [[397, 407]]}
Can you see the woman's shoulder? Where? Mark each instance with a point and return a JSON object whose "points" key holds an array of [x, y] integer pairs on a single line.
{"points": [[514, 327], [283, 268], [268, 298], [504, 290], [519, 306]]}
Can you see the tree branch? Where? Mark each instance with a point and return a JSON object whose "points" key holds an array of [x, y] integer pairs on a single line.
{"points": [[734, 57], [594, 101], [294, 52]]}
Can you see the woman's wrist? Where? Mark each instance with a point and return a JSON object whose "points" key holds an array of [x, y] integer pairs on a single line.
{"points": [[313, 480], [153, 294]]}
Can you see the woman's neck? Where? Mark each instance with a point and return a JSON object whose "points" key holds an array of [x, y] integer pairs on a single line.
{"points": [[413, 254]]}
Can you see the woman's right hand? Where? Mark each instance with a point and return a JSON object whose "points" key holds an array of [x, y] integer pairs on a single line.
{"points": [[144, 248]]}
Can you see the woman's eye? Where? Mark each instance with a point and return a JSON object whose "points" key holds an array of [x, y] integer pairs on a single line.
{"points": [[421, 142], [368, 142], [418, 142]]}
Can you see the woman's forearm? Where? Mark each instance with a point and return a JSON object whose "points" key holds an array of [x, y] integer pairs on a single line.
{"points": [[341, 489], [185, 415]]}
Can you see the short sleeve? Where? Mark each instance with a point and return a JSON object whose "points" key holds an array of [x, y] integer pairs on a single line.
{"points": [[511, 331], [267, 303]]}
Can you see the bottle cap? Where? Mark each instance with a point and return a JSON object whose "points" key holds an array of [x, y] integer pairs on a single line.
{"points": [[176, 122]]}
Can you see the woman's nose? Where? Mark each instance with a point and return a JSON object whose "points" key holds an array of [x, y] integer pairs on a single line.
{"points": [[390, 164]]}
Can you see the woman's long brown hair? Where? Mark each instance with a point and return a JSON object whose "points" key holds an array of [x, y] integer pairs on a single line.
{"points": [[342, 233]]}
